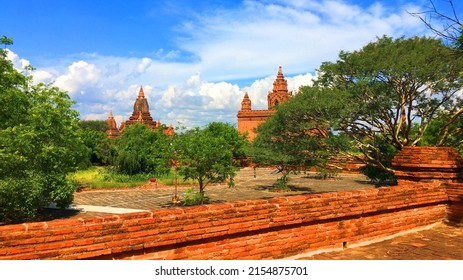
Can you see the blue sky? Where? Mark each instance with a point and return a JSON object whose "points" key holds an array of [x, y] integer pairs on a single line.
{"points": [[195, 59]]}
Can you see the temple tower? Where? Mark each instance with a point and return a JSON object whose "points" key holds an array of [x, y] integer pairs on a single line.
{"points": [[141, 112], [112, 131], [246, 103], [280, 92], [249, 119]]}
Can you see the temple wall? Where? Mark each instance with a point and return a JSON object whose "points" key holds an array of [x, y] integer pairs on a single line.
{"points": [[249, 125], [256, 229]]}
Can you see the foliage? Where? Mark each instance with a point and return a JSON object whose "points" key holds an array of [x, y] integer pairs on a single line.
{"points": [[39, 145], [206, 155], [191, 197], [106, 177], [391, 87], [94, 125], [141, 150], [298, 134], [101, 150], [378, 175], [6, 41], [282, 183]]}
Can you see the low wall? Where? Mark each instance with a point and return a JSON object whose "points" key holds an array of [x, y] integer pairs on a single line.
{"points": [[257, 229]]}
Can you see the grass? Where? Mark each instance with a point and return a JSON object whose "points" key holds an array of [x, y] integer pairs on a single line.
{"points": [[101, 177]]}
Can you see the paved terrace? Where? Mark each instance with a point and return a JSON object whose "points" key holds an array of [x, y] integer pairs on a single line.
{"points": [[247, 187], [436, 242]]}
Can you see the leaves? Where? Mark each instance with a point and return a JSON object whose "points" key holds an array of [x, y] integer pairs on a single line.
{"points": [[395, 87], [141, 150], [39, 145], [206, 155], [298, 134]]}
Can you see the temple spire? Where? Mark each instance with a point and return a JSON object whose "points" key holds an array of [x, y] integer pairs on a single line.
{"points": [[141, 93], [112, 130], [246, 103], [280, 92]]}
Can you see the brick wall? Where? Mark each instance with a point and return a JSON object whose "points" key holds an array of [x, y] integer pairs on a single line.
{"points": [[257, 229]]}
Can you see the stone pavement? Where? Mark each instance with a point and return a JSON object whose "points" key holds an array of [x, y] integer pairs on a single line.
{"points": [[437, 242]]}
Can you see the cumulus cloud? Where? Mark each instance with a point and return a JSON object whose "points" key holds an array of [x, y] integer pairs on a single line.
{"points": [[79, 76], [18, 63]]}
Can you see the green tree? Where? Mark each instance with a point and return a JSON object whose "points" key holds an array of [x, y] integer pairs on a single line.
{"points": [[6, 41], [142, 150], [39, 145], [100, 148], [206, 155], [298, 134], [396, 88]]}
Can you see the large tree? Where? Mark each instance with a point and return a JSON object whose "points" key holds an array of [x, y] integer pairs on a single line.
{"points": [[39, 145], [206, 155], [395, 88], [142, 150], [299, 133]]}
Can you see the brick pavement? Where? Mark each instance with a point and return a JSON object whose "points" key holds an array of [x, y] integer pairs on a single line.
{"points": [[438, 242]]}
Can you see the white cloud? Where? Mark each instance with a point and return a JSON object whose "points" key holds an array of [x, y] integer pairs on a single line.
{"points": [[18, 63], [79, 76]]}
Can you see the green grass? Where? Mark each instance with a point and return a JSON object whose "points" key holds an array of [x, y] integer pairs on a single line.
{"points": [[101, 177]]}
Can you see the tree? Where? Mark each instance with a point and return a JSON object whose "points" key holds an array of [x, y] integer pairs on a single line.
{"points": [[6, 41], [39, 145], [298, 134], [206, 155], [142, 150], [100, 148], [396, 88]]}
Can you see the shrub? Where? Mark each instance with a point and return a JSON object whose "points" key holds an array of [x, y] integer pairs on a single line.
{"points": [[191, 197]]}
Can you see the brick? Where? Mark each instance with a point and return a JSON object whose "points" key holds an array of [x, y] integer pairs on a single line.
{"points": [[84, 242], [53, 246]]}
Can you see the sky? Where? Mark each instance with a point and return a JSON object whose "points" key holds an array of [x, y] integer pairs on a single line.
{"points": [[194, 59]]}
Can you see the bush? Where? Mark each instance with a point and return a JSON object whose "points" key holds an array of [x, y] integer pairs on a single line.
{"points": [[282, 183], [191, 197]]}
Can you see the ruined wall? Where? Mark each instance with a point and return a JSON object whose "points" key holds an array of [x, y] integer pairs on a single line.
{"points": [[257, 229]]}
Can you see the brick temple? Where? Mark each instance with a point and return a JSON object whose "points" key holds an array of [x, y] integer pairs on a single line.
{"points": [[141, 114], [249, 119]]}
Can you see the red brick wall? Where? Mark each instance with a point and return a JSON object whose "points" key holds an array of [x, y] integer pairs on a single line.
{"points": [[257, 229], [455, 205], [427, 164]]}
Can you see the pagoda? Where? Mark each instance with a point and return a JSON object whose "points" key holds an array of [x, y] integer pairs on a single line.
{"points": [[249, 119], [112, 131], [141, 114]]}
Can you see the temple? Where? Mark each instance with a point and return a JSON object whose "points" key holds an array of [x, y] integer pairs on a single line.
{"points": [[141, 114], [249, 119]]}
